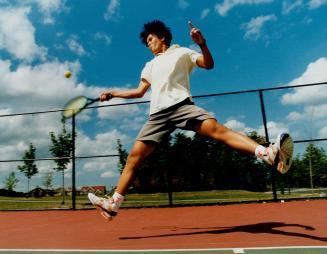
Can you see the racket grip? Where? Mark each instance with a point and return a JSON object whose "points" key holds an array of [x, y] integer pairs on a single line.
{"points": [[109, 96]]}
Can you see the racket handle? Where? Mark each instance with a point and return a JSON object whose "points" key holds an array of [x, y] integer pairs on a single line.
{"points": [[108, 97]]}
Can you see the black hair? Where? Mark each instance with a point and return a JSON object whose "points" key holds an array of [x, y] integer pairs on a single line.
{"points": [[158, 28]]}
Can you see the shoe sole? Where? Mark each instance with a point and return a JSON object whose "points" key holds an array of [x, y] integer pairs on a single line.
{"points": [[285, 153], [108, 215], [105, 213]]}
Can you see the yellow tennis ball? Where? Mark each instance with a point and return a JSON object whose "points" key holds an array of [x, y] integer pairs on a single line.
{"points": [[68, 74]]}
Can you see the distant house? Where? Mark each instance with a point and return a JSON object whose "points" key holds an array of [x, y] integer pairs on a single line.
{"points": [[68, 191], [99, 189]]}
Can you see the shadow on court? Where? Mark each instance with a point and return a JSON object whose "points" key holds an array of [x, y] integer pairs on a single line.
{"points": [[260, 228], [235, 226]]}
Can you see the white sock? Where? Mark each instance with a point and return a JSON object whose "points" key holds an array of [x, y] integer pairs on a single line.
{"points": [[260, 151], [118, 199]]}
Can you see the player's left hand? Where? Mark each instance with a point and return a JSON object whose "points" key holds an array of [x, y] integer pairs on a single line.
{"points": [[196, 34]]}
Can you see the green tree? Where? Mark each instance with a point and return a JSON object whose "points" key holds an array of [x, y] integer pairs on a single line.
{"points": [[315, 164], [185, 163], [11, 181], [298, 176], [61, 149], [29, 167], [47, 181], [122, 156]]}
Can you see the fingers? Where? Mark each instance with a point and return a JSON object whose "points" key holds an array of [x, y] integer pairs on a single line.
{"points": [[192, 28], [194, 31], [102, 97], [195, 34], [190, 25], [105, 96]]}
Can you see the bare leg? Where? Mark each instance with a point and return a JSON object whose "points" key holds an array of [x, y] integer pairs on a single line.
{"points": [[211, 128], [138, 153]]}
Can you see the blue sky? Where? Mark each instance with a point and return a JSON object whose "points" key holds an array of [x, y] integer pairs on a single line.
{"points": [[255, 44]]}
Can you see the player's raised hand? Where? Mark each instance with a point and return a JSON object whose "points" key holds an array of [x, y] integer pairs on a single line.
{"points": [[196, 35]]}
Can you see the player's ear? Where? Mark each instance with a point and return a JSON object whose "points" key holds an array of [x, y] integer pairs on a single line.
{"points": [[162, 39]]}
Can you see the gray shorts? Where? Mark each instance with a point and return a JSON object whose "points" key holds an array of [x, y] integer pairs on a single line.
{"points": [[183, 115]]}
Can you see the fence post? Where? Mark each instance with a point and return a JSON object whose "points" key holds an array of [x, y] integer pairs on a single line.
{"points": [[263, 111], [169, 185], [73, 164]]}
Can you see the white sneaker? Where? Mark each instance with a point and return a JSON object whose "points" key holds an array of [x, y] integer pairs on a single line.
{"points": [[280, 153], [269, 154], [106, 206]]}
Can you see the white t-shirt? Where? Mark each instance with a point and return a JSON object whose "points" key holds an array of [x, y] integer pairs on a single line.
{"points": [[168, 74]]}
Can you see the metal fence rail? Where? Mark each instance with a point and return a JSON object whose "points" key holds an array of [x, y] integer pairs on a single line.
{"points": [[260, 93]]}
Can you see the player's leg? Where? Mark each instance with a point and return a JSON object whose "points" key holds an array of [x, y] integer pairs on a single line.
{"points": [[109, 207], [280, 153], [211, 128], [139, 152]]}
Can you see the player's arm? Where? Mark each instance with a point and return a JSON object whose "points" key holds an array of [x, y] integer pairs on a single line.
{"points": [[127, 94], [205, 61]]}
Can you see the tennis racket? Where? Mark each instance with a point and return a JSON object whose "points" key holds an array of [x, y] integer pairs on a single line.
{"points": [[76, 105]]}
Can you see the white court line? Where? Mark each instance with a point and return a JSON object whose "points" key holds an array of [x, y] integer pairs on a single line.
{"points": [[235, 250], [238, 251]]}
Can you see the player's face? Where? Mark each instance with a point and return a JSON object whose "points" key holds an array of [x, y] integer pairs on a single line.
{"points": [[155, 44]]}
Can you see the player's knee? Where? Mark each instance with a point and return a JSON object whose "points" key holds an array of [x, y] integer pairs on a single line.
{"points": [[219, 131], [136, 155], [133, 157]]}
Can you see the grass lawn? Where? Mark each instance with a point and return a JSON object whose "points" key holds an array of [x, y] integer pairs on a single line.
{"points": [[155, 199]]}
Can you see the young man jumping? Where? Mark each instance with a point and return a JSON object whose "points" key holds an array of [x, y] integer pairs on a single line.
{"points": [[172, 107]]}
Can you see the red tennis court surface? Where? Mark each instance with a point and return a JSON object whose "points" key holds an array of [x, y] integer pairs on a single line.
{"points": [[233, 226]]}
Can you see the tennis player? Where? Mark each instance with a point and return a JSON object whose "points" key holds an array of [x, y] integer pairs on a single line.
{"points": [[172, 107]]}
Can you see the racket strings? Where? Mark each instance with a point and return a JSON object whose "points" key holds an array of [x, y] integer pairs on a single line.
{"points": [[74, 106]]}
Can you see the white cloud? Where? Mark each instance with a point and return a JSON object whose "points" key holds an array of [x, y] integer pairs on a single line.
{"points": [[223, 8], [36, 87], [289, 6], [205, 13], [43, 87], [109, 174], [26, 89], [274, 128], [112, 13], [311, 101], [254, 26], [315, 73], [17, 35], [76, 46], [115, 113], [309, 113], [17, 132], [323, 132], [130, 117], [314, 4], [48, 7], [183, 4], [238, 126], [294, 116], [101, 144], [316, 112], [102, 36]]}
